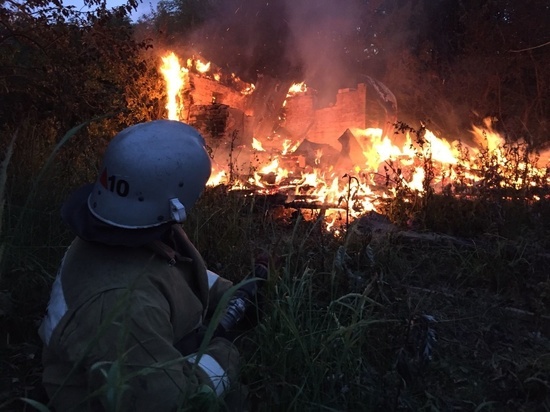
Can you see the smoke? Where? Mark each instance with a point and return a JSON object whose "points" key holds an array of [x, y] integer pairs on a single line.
{"points": [[321, 32], [334, 44], [298, 39], [248, 38]]}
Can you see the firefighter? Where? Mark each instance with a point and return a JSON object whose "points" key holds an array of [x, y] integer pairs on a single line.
{"points": [[132, 293]]}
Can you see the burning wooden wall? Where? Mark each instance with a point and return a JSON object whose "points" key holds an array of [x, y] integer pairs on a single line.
{"points": [[305, 119], [226, 116]]}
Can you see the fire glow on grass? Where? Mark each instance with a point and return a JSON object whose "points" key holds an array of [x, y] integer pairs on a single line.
{"points": [[362, 187]]}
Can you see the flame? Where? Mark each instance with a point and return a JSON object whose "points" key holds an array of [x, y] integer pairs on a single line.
{"points": [[379, 149], [282, 170], [296, 88], [289, 147], [256, 145], [441, 150], [271, 167], [175, 77], [417, 180], [486, 136], [217, 178], [198, 65], [249, 89]]}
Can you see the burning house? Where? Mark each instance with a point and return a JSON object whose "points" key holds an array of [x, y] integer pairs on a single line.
{"points": [[232, 115], [276, 136]]}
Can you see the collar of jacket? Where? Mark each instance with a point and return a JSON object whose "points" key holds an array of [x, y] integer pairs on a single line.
{"points": [[180, 249]]}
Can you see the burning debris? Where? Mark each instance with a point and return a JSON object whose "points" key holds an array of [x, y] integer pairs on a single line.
{"points": [[274, 138]]}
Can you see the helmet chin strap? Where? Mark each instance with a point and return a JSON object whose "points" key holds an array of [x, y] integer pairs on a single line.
{"points": [[177, 210]]}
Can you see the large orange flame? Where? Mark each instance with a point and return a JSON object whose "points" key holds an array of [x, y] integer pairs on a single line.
{"points": [[175, 77]]}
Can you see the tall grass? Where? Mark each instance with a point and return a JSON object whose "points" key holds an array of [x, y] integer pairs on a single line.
{"points": [[44, 167], [310, 353], [32, 240]]}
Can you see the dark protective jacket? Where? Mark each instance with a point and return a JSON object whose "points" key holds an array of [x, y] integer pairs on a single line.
{"points": [[114, 317]]}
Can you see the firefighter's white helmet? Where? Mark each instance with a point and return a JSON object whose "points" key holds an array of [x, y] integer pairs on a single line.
{"points": [[152, 173]]}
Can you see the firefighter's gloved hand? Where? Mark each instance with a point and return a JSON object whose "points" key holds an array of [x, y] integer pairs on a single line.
{"points": [[250, 288], [234, 313], [242, 311], [262, 260]]}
